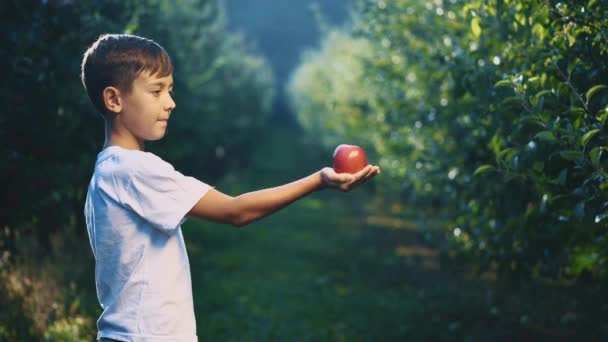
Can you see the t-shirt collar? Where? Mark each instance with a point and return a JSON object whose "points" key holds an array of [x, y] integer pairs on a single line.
{"points": [[107, 152]]}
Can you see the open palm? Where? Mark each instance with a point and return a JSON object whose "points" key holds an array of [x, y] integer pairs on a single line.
{"points": [[346, 181]]}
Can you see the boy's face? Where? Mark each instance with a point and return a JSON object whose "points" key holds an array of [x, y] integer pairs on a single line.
{"points": [[145, 110]]}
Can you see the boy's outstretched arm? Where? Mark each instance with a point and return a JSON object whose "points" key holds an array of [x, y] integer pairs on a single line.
{"points": [[241, 210]]}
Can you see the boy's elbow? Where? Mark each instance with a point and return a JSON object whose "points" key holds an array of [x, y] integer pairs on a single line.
{"points": [[239, 221], [244, 218], [239, 216], [238, 224]]}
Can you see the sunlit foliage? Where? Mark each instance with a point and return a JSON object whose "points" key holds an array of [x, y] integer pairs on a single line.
{"points": [[491, 112]]}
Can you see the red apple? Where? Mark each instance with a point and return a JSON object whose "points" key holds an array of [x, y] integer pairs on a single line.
{"points": [[349, 159]]}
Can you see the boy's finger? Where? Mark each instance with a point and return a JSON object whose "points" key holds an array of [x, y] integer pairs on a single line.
{"points": [[361, 173], [362, 177], [372, 173]]}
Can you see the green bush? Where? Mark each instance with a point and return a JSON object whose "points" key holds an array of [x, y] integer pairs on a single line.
{"points": [[40, 296], [72, 329], [490, 113]]}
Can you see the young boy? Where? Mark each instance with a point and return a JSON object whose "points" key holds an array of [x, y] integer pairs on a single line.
{"points": [[136, 202]]}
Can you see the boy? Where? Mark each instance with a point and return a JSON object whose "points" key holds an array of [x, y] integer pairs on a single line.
{"points": [[136, 202]]}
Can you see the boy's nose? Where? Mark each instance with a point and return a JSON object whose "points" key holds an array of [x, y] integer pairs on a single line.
{"points": [[171, 105]]}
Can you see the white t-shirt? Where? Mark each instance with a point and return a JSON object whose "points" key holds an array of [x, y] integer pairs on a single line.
{"points": [[135, 205]]}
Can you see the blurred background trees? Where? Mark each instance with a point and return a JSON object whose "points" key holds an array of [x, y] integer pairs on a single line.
{"points": [[280, 30]]}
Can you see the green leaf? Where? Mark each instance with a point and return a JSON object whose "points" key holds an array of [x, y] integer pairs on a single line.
{"points": [[475, 27], [500, 155], [512, 100], [571, 39], [603, 116], [503, 83], [595, 155], [571, 154], [546, 136], [543, 93], [483, 169], [589, 135], [584, 261], [539, 30], [571, 66], [535, 120], [576, 111], [594, 90], [132, 27]]}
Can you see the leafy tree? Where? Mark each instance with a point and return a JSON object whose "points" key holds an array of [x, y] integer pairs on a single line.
{"points": [[491, 112]]}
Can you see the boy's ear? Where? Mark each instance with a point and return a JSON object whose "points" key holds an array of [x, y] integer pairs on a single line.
{"points": [[112, 100]]}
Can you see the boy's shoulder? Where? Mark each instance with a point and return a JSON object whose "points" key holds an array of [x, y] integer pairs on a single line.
{"points": [[121, 161]]}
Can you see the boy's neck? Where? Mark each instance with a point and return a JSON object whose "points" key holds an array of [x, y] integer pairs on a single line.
{"points": [[114, 137]]}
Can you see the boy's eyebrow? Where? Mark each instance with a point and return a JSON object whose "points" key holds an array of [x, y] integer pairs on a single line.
{"points": [[161, 83]]}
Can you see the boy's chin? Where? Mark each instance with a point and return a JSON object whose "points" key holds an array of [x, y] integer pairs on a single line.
{"points": [[155, 138]]}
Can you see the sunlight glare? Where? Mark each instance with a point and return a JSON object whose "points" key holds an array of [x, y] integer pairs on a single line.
{"points": [[453, 173]]}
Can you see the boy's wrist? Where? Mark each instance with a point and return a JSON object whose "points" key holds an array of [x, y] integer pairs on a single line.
{"points": [[321, 185]]}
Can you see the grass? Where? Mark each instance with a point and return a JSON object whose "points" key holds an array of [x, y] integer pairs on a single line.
{"points": [[324, 273], [288, 276]]}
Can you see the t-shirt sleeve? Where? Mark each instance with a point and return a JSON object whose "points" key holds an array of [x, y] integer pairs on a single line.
{"points": [[160, 194]]}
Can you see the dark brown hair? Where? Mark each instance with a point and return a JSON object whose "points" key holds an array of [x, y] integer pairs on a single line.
{"points": [[116, 60]]}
